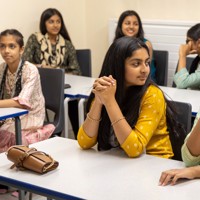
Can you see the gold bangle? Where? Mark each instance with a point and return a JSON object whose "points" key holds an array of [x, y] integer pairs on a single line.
{"points": [[92, 119], [116, 121]]}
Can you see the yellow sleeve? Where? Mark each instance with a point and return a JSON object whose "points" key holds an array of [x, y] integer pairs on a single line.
{"points": [[152, 108], [84, 140]]}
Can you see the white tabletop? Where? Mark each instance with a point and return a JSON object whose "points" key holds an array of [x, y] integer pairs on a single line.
{"points": [[11, 112], [184, 95], [94, 175], [81, 86]]}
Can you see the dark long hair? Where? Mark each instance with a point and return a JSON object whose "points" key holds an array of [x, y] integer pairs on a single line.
{"points": [[194, 34], [48, 13], [119, 33], [114, 64]]}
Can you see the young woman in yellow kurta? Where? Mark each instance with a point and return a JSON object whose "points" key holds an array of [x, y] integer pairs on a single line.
{"points": [[126, 109]]}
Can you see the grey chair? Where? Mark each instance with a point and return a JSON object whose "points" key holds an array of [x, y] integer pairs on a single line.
{"points": [[189, 61], [184, 119], [184, 114], [161, 64], [84, 60], [52, 81]]}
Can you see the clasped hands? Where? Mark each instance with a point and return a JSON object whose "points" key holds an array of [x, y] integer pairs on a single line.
{"points": [[104, 89]]}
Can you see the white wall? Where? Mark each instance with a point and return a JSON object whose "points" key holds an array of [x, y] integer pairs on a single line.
{"points": [[164, 35], [24, 15], [99, 12], [87, 20]]}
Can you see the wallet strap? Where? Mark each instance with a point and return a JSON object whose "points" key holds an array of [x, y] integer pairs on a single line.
{"points": [[49, 166], [23, 158], [30, 152]]}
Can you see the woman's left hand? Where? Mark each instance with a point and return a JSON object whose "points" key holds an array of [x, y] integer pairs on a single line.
{"points": [[104, 88], [171, 176]]}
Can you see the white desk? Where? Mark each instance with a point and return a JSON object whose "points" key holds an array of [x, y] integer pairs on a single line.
{"points": [[6, 113], [184, 95], [81, 87], [94, 175]]}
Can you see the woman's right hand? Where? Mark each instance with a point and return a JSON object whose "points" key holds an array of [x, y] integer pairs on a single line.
{"points": [[186, 49], [104, 89], [172, 176]]}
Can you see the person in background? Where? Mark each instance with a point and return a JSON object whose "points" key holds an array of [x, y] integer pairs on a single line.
{"points": [[126, 109], [191, 158], [20, 88], [130, 24], [52, 48], [184, 78]]}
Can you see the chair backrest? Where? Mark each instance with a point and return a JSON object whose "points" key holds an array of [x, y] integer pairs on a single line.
{"points": [[184, 114], [52, 82], [84, 60], [189, 61], [161, 63], [184, 117]]}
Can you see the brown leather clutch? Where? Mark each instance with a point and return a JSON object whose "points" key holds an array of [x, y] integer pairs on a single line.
{"points": [[24, 157]]}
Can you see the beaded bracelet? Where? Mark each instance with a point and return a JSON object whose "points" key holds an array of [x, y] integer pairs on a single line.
{"points": [[116, 121], [92, 119]]}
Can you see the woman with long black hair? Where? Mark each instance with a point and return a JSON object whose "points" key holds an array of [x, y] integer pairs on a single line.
{"points": [[126, 108]]}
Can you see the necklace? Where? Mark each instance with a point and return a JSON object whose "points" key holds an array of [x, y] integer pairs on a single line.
{"points": [[10, 83]]}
